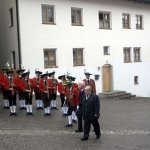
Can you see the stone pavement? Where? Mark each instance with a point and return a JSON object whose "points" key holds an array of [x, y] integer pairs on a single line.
{"points": [[125, 125]]}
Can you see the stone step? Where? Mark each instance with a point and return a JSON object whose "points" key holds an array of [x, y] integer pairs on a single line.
{"points": [[116, 94]]}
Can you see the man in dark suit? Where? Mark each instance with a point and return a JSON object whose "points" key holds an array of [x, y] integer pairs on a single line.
{"points": [[90, 109]]}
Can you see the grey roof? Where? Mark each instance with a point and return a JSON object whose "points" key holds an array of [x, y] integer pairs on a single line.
{"points": [[142, 1]]}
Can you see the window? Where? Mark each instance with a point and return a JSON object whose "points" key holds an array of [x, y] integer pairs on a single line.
{"points": [[137, 57], [139, 21], [136, 80], [47, 14], [49, 58], [11, 17], [126, 21], [78, 56], [104, 20], [106, 50], [76, 16], [127, 54]]}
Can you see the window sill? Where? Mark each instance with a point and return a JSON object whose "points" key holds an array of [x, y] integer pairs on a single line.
{"points": [[106, 54], [126, 28], [137, 61], [127, 61], [48, 23], [139, 29], [77, 25], [50, 67], [78, 65], [106, 28]]}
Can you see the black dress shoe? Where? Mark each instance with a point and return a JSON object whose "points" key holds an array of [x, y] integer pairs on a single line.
{"points": [[78, 130], [69, 125], [15, 114], [55, 108], [84, 139], [27, 114], [65, 115], [45, 114], [6, 107], [74, 121], [98, 137], [10, 114], [31, 114]]}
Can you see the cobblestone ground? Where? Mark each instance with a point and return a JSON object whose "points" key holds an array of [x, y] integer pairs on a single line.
{"points": [[125, 125]]}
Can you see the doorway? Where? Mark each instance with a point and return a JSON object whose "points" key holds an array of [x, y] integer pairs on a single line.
{"points": [[107, 78]]}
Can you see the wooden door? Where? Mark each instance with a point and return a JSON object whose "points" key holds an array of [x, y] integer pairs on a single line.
{"points": [[107, 78]]}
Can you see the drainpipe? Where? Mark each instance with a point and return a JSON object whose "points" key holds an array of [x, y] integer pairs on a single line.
{"points": [[18, 33]]}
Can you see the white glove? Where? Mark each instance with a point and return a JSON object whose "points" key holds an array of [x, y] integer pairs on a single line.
{"points": [[77, 107]]}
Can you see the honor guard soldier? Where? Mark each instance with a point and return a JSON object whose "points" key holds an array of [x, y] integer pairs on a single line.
{"points": [[26, 86], [44, 86], [11, 91], [90, 82], [53, 90], [21, 93], [61, 90], [3, 83], [72, 98], [36, 81]]}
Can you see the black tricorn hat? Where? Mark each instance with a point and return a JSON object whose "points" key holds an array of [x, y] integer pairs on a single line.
{"points": [[25, 74], [62, 77], [45, 74], [38, 72], [71, 78], [87, 73], [51, 73], [10, 71], [5, 69], [20, 70]]}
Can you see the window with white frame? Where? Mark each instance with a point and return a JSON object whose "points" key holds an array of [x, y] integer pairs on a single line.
{"points": [[78, 57], [76, 16], [104, 20], [126, 21], [11, 17], [137, 55], [47, 14], [136, 80], [127, 54], [49, 58], [139, 22], [106, 50]]}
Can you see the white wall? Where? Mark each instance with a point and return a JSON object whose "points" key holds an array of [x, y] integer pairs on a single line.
{"points": [[35, 36]]}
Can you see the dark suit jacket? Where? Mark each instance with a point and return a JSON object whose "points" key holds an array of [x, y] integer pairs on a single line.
{"points": [[91, 107], [81, 96]]}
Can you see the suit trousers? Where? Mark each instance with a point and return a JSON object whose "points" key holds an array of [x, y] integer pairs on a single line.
{"points": [[87, 126]]}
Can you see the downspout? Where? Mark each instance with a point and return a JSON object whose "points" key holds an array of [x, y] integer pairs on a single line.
{"points": [[18, 33]]}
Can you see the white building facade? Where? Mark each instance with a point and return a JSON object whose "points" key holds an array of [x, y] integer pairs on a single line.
{"points": [[109, 39]]}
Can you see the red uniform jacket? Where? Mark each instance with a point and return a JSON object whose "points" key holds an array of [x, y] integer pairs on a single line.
{"points": [[72, 95], [45, 85], [26, 86], [4, 82], [36, 82], [54, 85], [91, 83], [61, 88]]}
